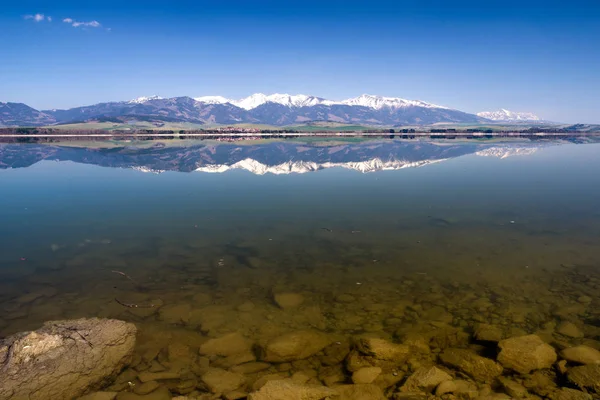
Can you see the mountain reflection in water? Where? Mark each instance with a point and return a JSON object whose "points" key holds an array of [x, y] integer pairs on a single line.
{"points": [[276, 158]]}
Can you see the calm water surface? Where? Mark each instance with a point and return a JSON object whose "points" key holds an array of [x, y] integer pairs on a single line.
{"points": [[504, 234]]}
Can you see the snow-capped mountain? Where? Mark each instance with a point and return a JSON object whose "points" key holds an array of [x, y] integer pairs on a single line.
{"points": [[379, 102], [302, 100], [275, 109], [508, 116], [143, 99]]}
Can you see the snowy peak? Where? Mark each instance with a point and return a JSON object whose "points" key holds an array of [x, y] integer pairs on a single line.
{"points": [[213, 100], [302, 100], [144, 99], [508, 116], [379, 102]]}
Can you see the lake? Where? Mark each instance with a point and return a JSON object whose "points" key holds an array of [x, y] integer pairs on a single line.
{"points": [[396, 239]]}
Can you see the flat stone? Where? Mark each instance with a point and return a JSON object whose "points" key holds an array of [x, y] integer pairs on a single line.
{"points": [[571, 394], [146, 387], [383, 349], [288, 300], [235, 395], [457, 387], [360, 392], [221, 381], [366, 375], [425, 379], [295, 346], [569, 329], [479, 368], [227, 345], [585, 377], [286, 389], [157, 376], [251, 367], [512, 388], [162, 393], [526, 353], [488, 333], [584, 299], [99, 396], [581, 355]]}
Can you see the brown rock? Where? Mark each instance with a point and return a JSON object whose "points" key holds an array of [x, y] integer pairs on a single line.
{"points": [[366, 375], [250, 368], [360, 392], [99, 396], [512, 388], [221, 381], [569, 329], [295, 346], [382, 349], [581, 355], [479, 368], [526, 353], [425, 379], [488, 333], [146, 387], [157, 376], [570, 394], [162, 393], [227, 345], [76, 356], [288, 300], [586, 377], [286, 389], [457, 387]]}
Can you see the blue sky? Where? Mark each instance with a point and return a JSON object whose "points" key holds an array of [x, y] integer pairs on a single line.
{"points": [[537, 56]]}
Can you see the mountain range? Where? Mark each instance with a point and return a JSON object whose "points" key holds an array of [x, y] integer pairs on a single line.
{"points": [[275, 109]]}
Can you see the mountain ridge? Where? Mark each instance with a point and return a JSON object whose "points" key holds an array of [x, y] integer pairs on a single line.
{"points": [[275, 109]]}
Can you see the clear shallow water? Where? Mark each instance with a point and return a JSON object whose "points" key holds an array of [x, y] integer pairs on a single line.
{"points": [[475, 234]]}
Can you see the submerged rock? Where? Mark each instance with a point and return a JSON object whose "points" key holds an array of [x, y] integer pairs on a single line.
{"points": [[479, 368], [489, 333], [425, 379], [381, 349], [571, 394], [366, 375], [359, 392], [295, 346], [526, 353], [75, 356], [581, 355], [286, 389], [227, 345], [288, 300], [569, 329], [221, 381], [586, 377]]}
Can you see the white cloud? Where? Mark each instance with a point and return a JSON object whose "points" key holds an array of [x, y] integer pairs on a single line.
{"points": [[38, 17], [76, 24]]}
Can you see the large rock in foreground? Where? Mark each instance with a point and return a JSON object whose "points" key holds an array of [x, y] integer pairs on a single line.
{"points": [[64, 359], [526, 353]]}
